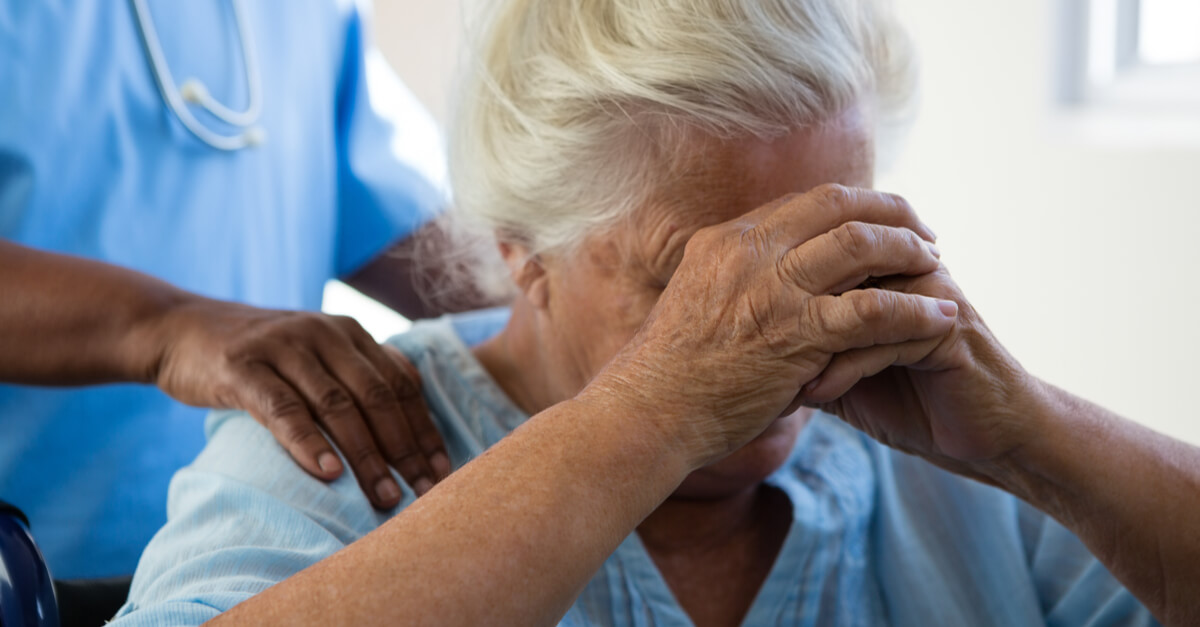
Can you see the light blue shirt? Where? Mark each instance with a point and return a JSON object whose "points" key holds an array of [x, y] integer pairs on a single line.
{"points": [[877, 537], [93, 163]]}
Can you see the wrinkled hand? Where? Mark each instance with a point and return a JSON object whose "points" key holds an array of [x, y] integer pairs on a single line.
{"points": [[760, 305], [294, 371], [959, 400]]}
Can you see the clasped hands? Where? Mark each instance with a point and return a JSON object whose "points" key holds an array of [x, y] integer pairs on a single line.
{"points": [[835, 298]]}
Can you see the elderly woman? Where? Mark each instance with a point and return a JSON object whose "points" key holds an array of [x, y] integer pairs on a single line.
{"points": [[680, 193]]}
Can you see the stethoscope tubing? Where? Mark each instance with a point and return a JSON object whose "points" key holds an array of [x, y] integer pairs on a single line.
{"points": [[193, 90]]}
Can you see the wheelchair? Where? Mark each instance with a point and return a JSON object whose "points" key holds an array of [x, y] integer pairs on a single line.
{"points": [[29, 597]]}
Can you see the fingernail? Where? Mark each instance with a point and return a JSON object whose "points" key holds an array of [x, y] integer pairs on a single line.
{"points": [[934, 250], [811, 385], [440, 464], [931, 231], [422, 485], [387, 490], [329, 463], [948, 308]]}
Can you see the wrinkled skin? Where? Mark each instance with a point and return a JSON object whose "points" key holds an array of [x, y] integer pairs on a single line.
{"points": [[298, 372]]}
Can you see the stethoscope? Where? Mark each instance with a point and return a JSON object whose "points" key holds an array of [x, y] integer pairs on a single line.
{"points": [[193, 91]]}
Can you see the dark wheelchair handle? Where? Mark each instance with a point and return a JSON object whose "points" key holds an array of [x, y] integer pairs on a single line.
{"points": [[26, 589]]}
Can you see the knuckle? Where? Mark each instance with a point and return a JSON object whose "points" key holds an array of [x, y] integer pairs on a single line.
{"points": [[363, 458], [249, 352], [281, 403], [791, 198], [901, 203], [752, 240], [407, 386], [295, 325], [334, 400], [853, 238], [912, 240], [797, 271], [904, 246], [871, 306], [833, 195], [243, 350], [867, 306], [297, 431], [378, 396], [346, 323], [404, 376], [819, 319], [704, 239], [315, 325], [402, 453]]}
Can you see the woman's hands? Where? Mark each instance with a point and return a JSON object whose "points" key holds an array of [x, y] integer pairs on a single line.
{"points": [[294, 371], [770, 311], [959, 400], [760, 306], [962, 402], [762, 314], [757, 308]]}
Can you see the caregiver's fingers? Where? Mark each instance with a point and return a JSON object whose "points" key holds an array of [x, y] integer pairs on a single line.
{"points": [[847, 255], [276, 405], [845, 370], [863, 318], [372, 385], [390, 395], [798, 218], [407, 383], [335, 409]]}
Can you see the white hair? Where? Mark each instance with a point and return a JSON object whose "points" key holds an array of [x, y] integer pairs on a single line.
{"points": [[568, 110]]}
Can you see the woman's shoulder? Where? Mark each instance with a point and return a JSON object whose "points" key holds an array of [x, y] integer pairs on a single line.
{"points": [[452, 333], [470, 412], [468, 407], [243, 456], [244, 515]]}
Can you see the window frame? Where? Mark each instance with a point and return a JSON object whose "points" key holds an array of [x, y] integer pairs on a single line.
{"points": [[1135, 83], [1142, 104]]}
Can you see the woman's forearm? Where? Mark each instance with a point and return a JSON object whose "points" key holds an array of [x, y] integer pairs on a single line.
{"points": [[510, 539], [1132, 495], [69, 321], [513, 536]]}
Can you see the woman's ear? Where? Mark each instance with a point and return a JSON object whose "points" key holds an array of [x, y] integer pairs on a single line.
{"points": [[528, 273]]}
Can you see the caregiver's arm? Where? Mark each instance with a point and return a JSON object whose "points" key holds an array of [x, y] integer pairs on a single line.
{"points": [[416, 278], [71, 321], [513, 536], [1132, 495]]}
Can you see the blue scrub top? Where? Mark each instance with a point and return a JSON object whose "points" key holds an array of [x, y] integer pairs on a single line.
{"points": [[92, 163]]}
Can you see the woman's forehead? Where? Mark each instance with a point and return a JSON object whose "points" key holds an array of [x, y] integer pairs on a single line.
{"points": [[718, 180]]}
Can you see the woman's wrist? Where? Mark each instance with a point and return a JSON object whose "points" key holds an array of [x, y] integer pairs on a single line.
{"points": [[1060, 439], [670, 433]]}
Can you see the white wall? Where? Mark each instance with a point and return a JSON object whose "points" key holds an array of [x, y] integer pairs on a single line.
{"points": [[1079, 253]]}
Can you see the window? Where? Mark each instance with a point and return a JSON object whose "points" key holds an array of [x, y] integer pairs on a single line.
{"points": [[1132, 62], [1125, 35], [1168, 32]]}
